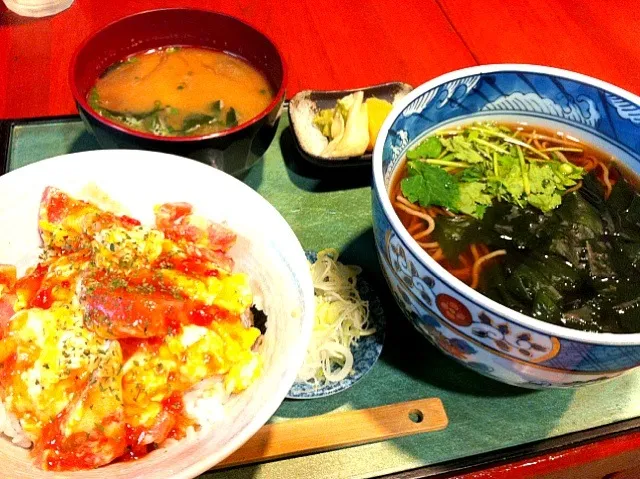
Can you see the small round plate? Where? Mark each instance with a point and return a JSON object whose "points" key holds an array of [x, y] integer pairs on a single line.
{"points": [[365, 352]]}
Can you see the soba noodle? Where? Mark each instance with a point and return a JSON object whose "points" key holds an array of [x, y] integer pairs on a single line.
{"points": [[420, 221]]}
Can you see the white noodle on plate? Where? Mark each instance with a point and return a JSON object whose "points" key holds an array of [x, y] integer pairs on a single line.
{"points": [[341, 319]]}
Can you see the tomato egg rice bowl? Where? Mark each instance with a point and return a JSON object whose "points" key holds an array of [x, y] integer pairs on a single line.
{"points": [[112, 339]]}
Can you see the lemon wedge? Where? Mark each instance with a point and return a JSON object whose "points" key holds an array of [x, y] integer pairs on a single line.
{"points": [[378, 110]]}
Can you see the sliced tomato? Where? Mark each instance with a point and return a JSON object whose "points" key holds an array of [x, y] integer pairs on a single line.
{"points": [[30, 284], [220, 237], [59, 450], [6, 310], [79, 218], [214, 259], [140, 307], [174, 220], [8, 276], [168, 213], [118, 313], [54, 205]]}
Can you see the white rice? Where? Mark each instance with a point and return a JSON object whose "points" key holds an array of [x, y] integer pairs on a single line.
{"points": [[205, 404], [11, 428], [205, 401]]}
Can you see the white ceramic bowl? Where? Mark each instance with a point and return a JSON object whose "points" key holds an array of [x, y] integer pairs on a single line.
{"points": [[266, 248]]}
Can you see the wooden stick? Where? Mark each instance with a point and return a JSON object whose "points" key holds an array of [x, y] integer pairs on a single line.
{"points": [[337, 430]]}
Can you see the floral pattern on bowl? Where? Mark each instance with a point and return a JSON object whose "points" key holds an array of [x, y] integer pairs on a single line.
{"points": [[485, 336]]}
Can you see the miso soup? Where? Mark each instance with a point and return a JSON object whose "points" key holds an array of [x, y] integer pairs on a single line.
{"points": [[181, 91]]}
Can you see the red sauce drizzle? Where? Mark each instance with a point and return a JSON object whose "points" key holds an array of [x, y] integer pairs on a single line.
{"points": [[7, 368], [43, 299], [129, 221], [173, 424], [195, 266], [174, 406], [134, 450], [130, 346], [30, 284], [59, 453], [173, 323], [205, 315]]}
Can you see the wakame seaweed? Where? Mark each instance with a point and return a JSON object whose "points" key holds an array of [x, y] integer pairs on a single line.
{"points": [[153, 120], [577, 266], [560, 220]]}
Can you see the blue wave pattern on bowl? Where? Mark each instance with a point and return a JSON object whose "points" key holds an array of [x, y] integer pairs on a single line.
{"points": [[472, 333], [365, 353]]}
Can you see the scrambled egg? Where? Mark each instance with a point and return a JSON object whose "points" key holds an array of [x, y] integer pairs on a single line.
{"points": [[152, 376], [53, 354], [114, 326], [131, 248]]}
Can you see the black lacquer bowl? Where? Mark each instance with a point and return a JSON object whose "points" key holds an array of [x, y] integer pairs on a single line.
{"points": [[234, 150]]}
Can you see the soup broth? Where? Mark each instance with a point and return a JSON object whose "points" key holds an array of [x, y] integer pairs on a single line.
{"points": [[533, 219], [181, 91]]}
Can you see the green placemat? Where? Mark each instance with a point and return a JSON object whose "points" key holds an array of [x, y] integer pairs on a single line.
{"points": [[484, 415]]}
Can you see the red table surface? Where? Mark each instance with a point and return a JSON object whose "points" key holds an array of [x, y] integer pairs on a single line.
{"points": [[326, 45], [587, 36], [334, 45]]}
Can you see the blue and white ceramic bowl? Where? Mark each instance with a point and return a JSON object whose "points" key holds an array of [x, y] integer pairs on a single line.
{"points": [[476, 331]]}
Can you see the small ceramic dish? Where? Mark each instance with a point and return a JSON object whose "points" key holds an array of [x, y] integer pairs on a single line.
{"points": [[365, 353], [311, 101]]}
